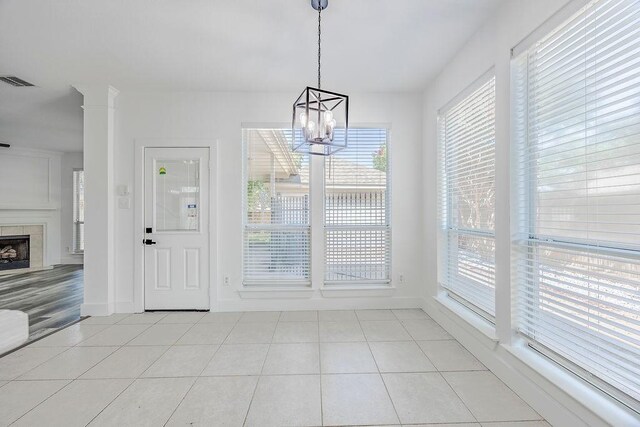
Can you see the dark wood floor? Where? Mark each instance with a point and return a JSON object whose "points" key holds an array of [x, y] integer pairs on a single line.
{"points": [[51, 298]]}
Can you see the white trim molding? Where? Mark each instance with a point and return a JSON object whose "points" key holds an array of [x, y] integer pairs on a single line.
{"points": [[558, 396], [137, 305]]}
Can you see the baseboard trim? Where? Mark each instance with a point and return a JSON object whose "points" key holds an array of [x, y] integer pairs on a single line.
{"points": [[283, 304], [359, 303], [72, 259], [125, 307], [551, 401], [274, 293], [96, 309]]}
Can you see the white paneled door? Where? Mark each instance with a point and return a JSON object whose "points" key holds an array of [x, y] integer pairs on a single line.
{"points": [[176, 238]]}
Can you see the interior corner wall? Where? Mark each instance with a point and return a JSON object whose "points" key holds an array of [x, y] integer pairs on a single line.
{"points": [[219, 116], [544, 388], [70, 162]]}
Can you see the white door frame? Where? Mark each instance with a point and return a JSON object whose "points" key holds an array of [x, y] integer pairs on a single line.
{"points": [[138, 212]]}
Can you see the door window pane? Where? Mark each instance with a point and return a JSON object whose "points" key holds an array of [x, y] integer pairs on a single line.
{"points": [[177, 195]]}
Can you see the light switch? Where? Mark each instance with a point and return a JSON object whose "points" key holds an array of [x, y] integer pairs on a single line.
{"points": [[123, 190], [124, 202]]}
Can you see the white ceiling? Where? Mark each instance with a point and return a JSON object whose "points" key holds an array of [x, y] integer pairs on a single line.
{"points": [[244, 45], [35, 117]]}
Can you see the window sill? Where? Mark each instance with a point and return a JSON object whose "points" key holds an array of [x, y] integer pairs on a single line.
{"points": [[346, 291], [468, 317], [600, 404], [266, 292]]}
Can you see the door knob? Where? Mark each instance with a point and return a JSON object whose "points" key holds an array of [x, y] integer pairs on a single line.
{"points": [[148, 242]]}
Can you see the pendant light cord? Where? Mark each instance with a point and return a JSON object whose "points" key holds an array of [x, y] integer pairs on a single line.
{"points": [[319, 39]]}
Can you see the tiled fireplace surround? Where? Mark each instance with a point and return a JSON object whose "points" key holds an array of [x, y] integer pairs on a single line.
{"points": [[36, 236]]}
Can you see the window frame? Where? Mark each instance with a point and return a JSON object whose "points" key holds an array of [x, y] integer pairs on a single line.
{"points": [[525, 238], [77, 224], [387, 227], [445, 211], [246, 227]]}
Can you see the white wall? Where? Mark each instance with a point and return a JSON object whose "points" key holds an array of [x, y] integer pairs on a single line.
{"points": [[30, 194], [219, 116], [70, 161], [36, 187], [558, 396]]}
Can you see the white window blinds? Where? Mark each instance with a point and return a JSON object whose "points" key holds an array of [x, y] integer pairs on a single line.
{"points": [[78, 211], [357, 210], [467, 198], [276, 210], [577, 248]]}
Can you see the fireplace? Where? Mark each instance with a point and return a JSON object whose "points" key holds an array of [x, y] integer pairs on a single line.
{"points": [[14, 252]]}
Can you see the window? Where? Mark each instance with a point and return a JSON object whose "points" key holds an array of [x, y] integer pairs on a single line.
{"points": [[467, 197], [276, 210], [357, 210], [577, 247], [78, 211]]}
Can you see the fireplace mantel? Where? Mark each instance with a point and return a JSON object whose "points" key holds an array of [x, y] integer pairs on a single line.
{"points": [[35, 233], [48, 219]]}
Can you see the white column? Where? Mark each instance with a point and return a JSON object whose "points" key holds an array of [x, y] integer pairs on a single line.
{"points": [[504, 312], [99, 228]]}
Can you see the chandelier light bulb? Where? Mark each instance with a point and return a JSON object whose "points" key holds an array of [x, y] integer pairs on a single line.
{"points": [[303, 120], [311, 127], [328, 116]]}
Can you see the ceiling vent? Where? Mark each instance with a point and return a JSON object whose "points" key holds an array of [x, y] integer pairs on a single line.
{"points": [[15, 81]]}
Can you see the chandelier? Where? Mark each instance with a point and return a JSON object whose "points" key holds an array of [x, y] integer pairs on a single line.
{"points": [[320, 117]]}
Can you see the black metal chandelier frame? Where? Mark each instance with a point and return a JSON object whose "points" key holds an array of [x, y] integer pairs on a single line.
{"points": [[319, 137]]}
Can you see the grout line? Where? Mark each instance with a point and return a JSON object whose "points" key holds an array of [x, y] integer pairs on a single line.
{"points": [[169, 346], [182, 400], [132, 380], [408, 332], [255, 388], [90, 336], [425, 355], [113, 400], [456, 393], [219, 346], [29, 342], [56, 392], [121, 345], [260, 374], [393, 405], [98, 362], [140, 323], [139, 377], [43, 362], [245, 375]]}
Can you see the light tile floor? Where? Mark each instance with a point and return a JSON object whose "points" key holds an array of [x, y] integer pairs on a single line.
{"points": [[365, 367]]}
